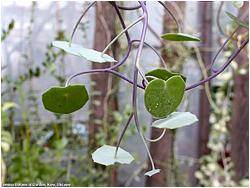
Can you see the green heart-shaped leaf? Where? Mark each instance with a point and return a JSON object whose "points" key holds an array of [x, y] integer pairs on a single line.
{"points": [[89, 54], [162, 74], [65, 100], [105, 155], [179, 37], [175, 120], [237, 20], [163, 97]]}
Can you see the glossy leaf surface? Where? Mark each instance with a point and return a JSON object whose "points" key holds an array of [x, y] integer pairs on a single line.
{"points": [[163, 97]]}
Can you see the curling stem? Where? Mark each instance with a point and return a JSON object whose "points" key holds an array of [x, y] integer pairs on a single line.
{"points": [[79, 20], [123, 31], [157, 139]]}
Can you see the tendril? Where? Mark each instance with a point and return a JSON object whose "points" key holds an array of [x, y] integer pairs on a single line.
{"points": [[221, 48], [218, 19], [148, 45], [120, 34], [171, 14], [79, 20]]}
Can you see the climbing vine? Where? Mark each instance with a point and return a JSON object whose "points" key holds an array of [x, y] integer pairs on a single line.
{"points": [[163, 89]]}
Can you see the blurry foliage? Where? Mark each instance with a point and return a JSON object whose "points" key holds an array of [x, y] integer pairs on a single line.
{"points": [[6, 32], [216, 168], [27, 144]]}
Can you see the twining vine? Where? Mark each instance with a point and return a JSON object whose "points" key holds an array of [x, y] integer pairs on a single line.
{"points": [[163, 89]]}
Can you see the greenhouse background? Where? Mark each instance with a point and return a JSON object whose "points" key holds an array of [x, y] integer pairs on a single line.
{"points": [[41, 147]]}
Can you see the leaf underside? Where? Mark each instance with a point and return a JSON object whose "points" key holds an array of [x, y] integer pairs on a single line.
{"points": [[89, 54], [152, 172], [176, 120], [105, 155]]}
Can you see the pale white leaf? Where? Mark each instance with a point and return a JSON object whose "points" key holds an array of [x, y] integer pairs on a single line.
{"points": [[152, 172], [105, 155], [176, 120], [89, 54], [238, 4]]}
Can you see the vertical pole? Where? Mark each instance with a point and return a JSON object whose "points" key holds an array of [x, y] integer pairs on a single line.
{"points": [[240, 117], [205, 14]]}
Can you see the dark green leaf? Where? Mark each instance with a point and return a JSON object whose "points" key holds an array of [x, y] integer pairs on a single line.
{"points": [[37, 73], [65, 100], [162, 74], [11, 25], [179, 37], [237, 20], [163, 97]]}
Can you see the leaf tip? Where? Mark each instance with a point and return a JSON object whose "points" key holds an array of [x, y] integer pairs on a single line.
{"points": [[152, 172]]}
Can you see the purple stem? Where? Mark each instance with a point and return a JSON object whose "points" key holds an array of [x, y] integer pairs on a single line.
{"points": [[106, 70], [79, 20], [142, 39], [127, 36], [110, 69], [119, 63], [152, 48], [125, 78], [123, 132], [124, 58], [221, 48], [218, 19], [222, 68], [134, 96], [171, 14], [121, 19]]}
